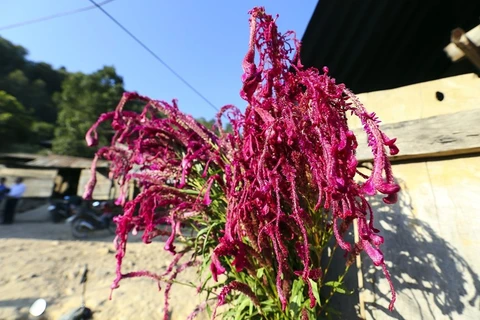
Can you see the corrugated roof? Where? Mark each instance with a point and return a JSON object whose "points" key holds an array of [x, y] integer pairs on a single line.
{"points": [[57, 161], [373, 45], [20, 156], [51, 161]]}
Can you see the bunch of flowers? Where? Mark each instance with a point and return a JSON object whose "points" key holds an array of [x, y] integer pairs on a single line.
{"points": [[258, 205]]}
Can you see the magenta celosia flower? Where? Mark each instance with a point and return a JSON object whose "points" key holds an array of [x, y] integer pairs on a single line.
{"points": [[296, 142], [290, 155], [146, 148]]}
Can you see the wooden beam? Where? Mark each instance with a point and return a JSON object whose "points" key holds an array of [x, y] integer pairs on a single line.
{"points": [[420, 100], [455, 53], [471, 51], [439, 136]]}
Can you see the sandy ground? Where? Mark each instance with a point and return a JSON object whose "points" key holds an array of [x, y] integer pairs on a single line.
{"points": [[39, 259]]}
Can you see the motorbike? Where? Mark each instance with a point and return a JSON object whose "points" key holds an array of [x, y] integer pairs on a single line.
{"points": [[62, 210], [87, 220]]}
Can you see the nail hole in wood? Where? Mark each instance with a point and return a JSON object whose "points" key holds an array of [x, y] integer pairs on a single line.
{"points": [[439, 95]]}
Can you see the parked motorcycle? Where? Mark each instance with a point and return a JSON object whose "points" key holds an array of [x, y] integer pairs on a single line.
{"points": [[86, 220], [63, 209]]}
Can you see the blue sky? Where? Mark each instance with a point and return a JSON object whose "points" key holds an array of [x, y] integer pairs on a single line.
{"points": [[204, 41]]}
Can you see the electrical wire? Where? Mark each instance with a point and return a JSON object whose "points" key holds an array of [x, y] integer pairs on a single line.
{"points": [[143, 45], [53, 16]]}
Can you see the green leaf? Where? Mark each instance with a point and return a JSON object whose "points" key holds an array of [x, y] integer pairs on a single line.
{"points": [[260, 272], [209, 310], [297, 287], [207, 235], [294, 309], [339, 287], [315, 290], [340, 290], [333, 284], [267, 306], [241, 308], [296, 299]]}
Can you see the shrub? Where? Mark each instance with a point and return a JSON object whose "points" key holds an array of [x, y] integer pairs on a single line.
{"points": [[264, 200]]}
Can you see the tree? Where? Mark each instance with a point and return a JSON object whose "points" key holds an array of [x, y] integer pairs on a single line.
{"points": [[44, 83], [15, 121], [82, 99], [207, 123], [210, 123], [12, 57], [31, 83], [42, 131]]}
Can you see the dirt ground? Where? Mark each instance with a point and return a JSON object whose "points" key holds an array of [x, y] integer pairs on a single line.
{"points": [[39, 259]]}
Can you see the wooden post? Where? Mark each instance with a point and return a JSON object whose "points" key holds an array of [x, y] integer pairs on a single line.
{"points": [[455, 53], [471, 51], [111, 191], [358, 260], [131, 189]]}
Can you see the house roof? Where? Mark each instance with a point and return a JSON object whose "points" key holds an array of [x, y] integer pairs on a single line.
{"points": [[51, 161], [57, 161], [373, 45]]}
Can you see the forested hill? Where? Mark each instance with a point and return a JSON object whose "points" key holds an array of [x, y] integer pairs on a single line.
{"points": [[40, 105]]}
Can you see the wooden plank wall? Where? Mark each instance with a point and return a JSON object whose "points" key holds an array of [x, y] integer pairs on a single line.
{"points": [[432, 233], [102, 188], [421, 100], [445, 135], [39, 183]]}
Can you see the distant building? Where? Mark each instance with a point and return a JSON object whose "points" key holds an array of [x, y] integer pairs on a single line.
{"points": [[54, 176]]}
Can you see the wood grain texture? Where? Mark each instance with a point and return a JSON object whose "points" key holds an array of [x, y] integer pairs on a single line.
{"points": [[438, 136], [419, 101], [102, 187]]}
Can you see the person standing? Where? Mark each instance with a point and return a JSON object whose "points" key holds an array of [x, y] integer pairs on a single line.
{"points": [[16, 192], [3, 188], [3, 191]]}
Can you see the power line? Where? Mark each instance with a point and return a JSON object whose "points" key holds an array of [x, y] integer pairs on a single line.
{"points": [[155, 56], [53, 16]]}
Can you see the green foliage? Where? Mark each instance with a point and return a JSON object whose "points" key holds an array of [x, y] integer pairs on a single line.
{"points": [[12, 57], [33, 86], [210, 124], [204, 239], [82, 99], [46, 104], [15, 121], [42, 131], [207, 123]]}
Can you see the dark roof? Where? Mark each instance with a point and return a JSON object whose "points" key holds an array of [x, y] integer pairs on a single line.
{"points": [[380, 44]]}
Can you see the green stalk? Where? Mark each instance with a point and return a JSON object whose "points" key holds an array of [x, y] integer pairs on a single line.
{"points": [[340, 279]]}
